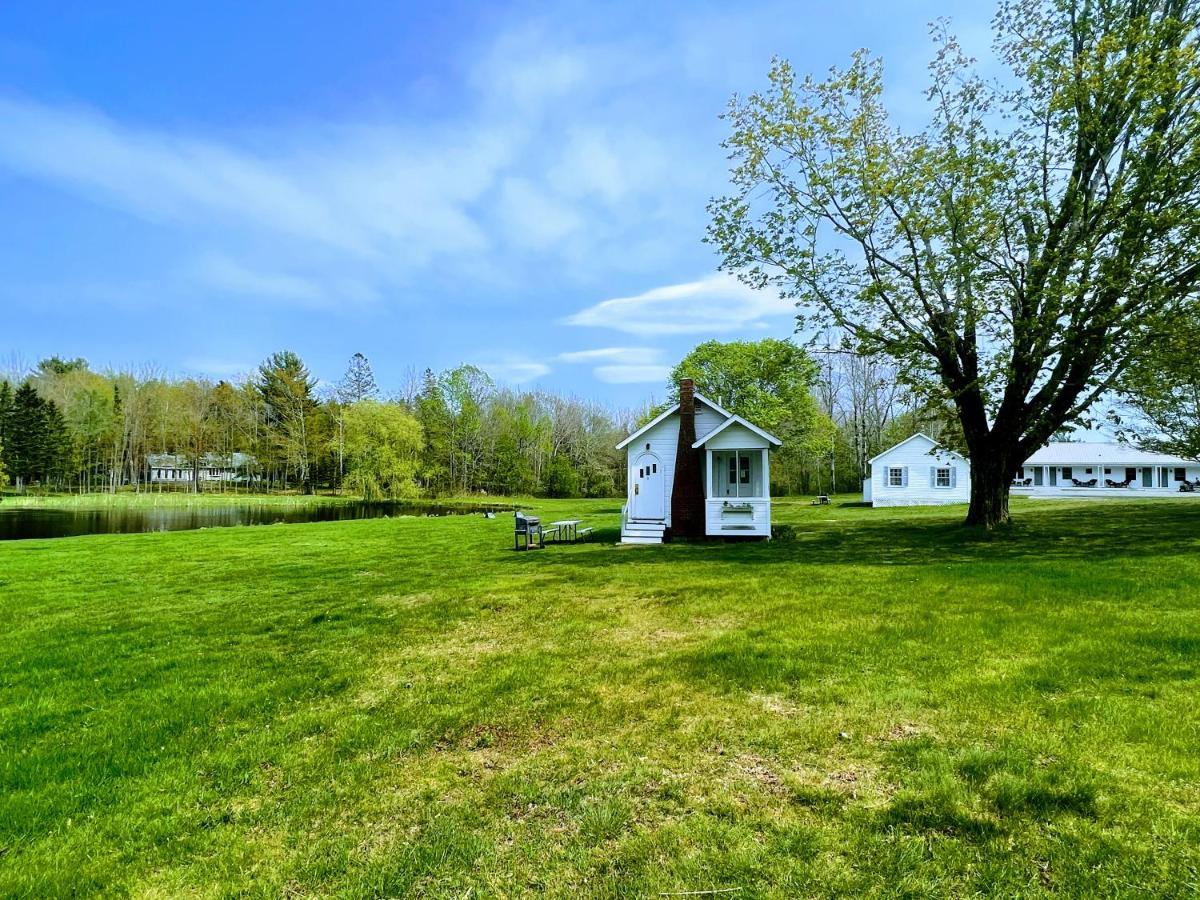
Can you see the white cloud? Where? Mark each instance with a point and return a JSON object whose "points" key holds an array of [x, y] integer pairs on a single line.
{"points": [[622, 365], [611, 354], [515, 370], [718, 303], [229, 275]]}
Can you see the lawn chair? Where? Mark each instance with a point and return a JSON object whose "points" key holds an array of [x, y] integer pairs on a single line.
{"points": [[1186, 487], [529, 528]]}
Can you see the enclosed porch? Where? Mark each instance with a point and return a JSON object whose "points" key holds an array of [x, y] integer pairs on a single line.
{"points": [[737, 488]]}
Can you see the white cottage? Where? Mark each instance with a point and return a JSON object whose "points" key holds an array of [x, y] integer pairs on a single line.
{"points": [[699, 471], [918, 471]]}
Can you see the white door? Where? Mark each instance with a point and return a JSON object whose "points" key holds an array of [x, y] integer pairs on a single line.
{"points": [[649, 495]]}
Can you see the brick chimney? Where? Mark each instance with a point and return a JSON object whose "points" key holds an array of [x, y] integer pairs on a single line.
{"points": [[687, 495]]}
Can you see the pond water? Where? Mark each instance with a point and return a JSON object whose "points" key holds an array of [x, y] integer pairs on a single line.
{"points": [[40, 522]]}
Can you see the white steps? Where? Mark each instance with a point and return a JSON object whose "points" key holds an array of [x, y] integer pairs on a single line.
{"points": [[642, 532]]}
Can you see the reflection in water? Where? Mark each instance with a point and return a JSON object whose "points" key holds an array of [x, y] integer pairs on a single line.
{"points": [[17, 524]]}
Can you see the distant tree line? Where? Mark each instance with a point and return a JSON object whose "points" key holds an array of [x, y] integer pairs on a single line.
{"points": [[65, 426]]}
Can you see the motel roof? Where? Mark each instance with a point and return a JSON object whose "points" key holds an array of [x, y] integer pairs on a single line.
{"points": [[1095, 453]]}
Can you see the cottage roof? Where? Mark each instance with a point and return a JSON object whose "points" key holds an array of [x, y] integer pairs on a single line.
{"points": [[942, 451], [737, 420], [667, 413]]}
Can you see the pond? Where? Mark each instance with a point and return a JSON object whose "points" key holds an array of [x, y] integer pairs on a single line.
{"points": [[50, 522]]}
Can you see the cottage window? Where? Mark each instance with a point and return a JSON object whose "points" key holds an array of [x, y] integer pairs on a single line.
{"points": [[737, 473], [1180, 474], [942, 478], [895, 476], [1066, 473]]}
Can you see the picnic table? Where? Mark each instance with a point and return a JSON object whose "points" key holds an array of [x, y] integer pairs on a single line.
{"points": [[567, 531]]}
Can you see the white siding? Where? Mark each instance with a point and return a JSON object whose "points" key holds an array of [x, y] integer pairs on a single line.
{"points": [[731, 518], [706, 420], [918, 464], [663, 441]]}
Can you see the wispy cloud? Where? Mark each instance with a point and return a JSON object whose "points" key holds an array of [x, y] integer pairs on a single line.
{"points": [[515, 370], [229, 275], [718, 303], [622, 365], [545, 161]]}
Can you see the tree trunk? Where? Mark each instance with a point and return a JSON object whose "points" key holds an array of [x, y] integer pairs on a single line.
{"points": [[989, 496]]}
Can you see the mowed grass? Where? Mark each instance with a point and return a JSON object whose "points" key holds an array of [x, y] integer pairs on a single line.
{"points": [[885, 705]]}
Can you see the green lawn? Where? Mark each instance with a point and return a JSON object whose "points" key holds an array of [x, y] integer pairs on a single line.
{"points": [[885, 705]]}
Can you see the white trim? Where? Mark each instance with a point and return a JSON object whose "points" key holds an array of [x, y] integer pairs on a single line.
{"points": [[739, 421], [919, 434], [667, 413]]}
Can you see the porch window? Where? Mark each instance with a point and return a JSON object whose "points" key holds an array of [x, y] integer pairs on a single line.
{"points": [[1066, 473], [738, 473], [1181, 474]]}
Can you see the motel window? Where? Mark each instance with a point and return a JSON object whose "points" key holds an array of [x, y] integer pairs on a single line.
{"points": [[896, 477], [1181, 474], [942, 478]]}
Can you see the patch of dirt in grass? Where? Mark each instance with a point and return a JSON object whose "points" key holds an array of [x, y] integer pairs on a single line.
{"points": [[904, 731], [773, 703], [757, 769]]}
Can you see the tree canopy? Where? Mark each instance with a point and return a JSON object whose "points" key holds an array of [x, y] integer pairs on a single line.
{"points": [[1012, 255], [768, 382], [1161, 391]]}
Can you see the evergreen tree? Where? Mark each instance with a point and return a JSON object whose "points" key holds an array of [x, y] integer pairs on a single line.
{"points": [[435, 419], [287, 390], [6, 416], [359, 381]]}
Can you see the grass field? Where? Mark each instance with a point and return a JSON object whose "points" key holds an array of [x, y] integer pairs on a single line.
{"points": [[884, 705]]}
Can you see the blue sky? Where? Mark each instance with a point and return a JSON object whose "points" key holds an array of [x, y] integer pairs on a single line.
{"points": [[521, 187]]}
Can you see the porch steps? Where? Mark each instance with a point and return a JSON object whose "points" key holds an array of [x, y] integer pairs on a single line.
{"points": [[642, 532]]}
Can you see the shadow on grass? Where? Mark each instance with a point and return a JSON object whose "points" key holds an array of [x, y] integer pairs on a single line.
{"points": [[1124, 530]]}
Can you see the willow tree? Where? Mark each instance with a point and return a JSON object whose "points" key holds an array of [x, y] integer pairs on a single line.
{"points": [[1011, 253]]}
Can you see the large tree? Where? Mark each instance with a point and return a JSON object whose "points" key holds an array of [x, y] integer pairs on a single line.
{"points": [[383, 449], [1011, 254], [287, 391]]}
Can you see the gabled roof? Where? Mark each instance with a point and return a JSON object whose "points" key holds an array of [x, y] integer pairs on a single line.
{"points": [[1096, 453], [668, 412], [919, 434], [737, 420]]}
